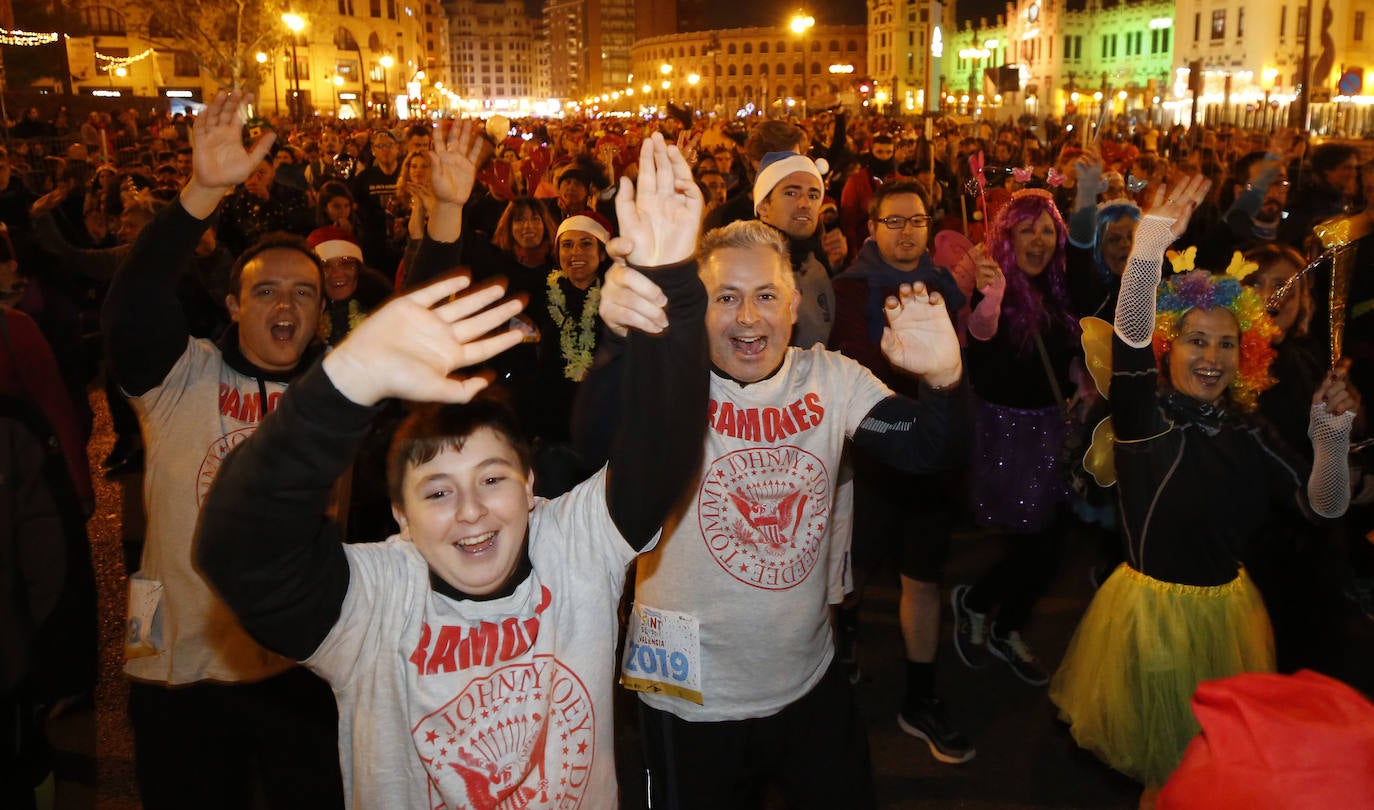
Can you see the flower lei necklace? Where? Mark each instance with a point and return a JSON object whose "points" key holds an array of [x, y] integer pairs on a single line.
{"points": [[575, 341]]}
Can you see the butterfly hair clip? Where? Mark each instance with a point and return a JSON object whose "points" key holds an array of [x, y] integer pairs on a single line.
{"points": [[1021, 175], [1055, 178], [1135, 186]]}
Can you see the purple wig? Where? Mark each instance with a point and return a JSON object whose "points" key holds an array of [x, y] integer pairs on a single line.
{"points": [[1031, 305]]}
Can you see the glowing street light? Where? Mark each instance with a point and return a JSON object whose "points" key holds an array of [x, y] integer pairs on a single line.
{"points": [[693, 78], [261, 57], [800, 23], [296, 23], [386, 62], [665, 68]]}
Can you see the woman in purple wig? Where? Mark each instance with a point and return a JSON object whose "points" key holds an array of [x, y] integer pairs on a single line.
{"points": [[1023, 340]]}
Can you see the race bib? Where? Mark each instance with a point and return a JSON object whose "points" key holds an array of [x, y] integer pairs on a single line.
{"points": [[662, 654], [144, 636]]}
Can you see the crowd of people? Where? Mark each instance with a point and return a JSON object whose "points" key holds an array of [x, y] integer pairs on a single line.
{"points": [[408, 400]]}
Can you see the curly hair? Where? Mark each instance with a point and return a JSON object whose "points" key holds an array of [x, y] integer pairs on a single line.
{"points": [[1199, 289], [1031, 305]]}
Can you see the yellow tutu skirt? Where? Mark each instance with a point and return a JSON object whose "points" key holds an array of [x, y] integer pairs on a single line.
{"points": [[1143, 646]]}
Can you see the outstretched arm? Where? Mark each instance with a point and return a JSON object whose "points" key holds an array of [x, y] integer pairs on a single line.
{"points": [[659, 384], [1333, 412], [265, 539], [453, 170], [1166, 220], [142, 318]]}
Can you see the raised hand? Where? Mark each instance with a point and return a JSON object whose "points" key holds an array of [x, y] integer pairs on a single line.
{"points": [[987, 272], [453, 167], [1179, 202], [48, 202], [409, 347], [659, 219], [1336, 391], [219, 159], [919, 338], [629, 300]]}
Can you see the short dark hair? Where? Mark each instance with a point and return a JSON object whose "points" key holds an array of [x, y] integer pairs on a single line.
{"points": [[772, 136], [432, 428], [885, 190], [1330, 155], [272, 241], [422, 130]]}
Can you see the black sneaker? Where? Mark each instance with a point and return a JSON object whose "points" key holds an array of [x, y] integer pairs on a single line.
{"points": [[929, 720], [1012, 649], [970, 630]]}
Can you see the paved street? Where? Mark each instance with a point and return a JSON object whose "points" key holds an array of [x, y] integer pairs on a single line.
{"points": [[1025, 757]]}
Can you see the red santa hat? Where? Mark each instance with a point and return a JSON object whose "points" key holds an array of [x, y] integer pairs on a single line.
{"points": [[590, 222], [333, 242]]}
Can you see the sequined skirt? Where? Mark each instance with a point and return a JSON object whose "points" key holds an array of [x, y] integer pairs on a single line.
{"points": [[1017, 476]]}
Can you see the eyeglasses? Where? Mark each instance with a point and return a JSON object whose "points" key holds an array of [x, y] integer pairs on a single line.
{"points": [[898, 223]]}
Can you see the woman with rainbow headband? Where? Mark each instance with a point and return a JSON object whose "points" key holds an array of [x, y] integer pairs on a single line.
{"points": [[1023, 341], [1193, 472]]}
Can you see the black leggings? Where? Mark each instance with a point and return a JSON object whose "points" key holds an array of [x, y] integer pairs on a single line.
{"points": [[1012, 586]]}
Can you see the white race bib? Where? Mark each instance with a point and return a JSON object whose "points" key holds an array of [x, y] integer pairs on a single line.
{"points": [[662, 654], [145, 620]]}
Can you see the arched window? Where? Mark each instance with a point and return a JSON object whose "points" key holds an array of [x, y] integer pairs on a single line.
{"points": [[749, 91], [732, 92], [763, 47], [748, 47], [815, 45], [748, 71], [834, 45], [763, 69], [681, 52], [718, 71], [798, 67], [730, 71], [103, 20], [782, 47], [344, 41], [851, 46], [815, 68], [374, 42], [730, 49], [797, 90], [692, 50], [781, 70]]}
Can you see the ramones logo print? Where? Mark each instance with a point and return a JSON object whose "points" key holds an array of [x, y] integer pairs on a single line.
{"points": [[523, 736], [763, 514], [214, 456]]}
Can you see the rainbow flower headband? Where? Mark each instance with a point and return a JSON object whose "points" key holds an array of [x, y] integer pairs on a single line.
{"points": [[1199, 289]]}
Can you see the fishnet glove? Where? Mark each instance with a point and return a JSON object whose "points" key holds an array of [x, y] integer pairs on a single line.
{"points": [[1135, 306], [1328, 487]]}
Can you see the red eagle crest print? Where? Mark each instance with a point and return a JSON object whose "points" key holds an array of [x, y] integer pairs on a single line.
{"points": [[764, 513], [522, 737]]}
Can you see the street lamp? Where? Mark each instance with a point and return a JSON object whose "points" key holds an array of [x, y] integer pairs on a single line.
{"points": [[297, 24], [386, 62], [800, 23], [276, 100]]}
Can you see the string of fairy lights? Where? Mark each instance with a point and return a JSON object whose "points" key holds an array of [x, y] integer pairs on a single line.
{"points": [[27, 38], [113, 63]]}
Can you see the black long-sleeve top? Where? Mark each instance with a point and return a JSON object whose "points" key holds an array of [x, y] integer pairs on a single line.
{"points": [[1196, 482], [266, 542]]}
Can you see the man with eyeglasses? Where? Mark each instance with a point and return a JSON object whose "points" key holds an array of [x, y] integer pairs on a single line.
{"points": [[1259, 188], [373, 188], [887, 502]]}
